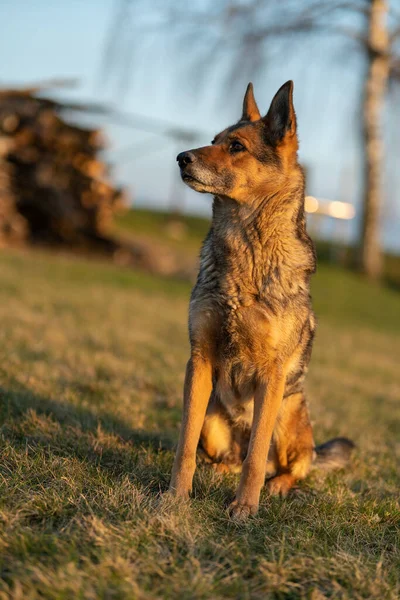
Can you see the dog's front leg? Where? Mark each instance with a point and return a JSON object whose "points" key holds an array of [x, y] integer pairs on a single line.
{"points": [[267, 401], [197, 391]]}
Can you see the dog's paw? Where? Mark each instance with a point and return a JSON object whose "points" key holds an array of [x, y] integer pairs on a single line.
{"points": [[220, 468], [280, 485], [179, 491], [241, 511], [167, 503]]}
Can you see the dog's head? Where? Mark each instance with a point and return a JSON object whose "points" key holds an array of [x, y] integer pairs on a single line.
{"points": [[251, 159]]}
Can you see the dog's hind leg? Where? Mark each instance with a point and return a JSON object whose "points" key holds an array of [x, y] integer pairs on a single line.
{"points": [[218, 444], [294, 445]]}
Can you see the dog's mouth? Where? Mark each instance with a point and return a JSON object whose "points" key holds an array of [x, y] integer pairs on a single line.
{"points": [[195, 184], [198, 184], [189, 178]]}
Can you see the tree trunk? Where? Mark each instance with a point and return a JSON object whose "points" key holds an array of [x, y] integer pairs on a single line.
{"points": [[370, 255]]}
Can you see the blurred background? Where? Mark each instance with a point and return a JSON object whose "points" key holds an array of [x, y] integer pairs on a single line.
{"points": [[99, 245], [98, 97]]}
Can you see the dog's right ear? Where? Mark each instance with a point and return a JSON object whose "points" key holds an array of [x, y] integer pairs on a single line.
{"points": [[250, 108]]}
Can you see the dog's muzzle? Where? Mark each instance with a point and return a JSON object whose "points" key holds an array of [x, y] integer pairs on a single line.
{"points": [[184, 159]]}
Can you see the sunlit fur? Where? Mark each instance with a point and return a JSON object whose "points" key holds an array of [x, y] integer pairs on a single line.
{"points": [[251, 322]]}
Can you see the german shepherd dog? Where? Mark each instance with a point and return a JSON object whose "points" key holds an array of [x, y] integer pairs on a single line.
{"points": [[251, 323]]}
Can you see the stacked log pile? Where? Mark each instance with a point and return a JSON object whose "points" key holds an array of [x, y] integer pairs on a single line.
{"points": [[54, 188], [13, 227]]}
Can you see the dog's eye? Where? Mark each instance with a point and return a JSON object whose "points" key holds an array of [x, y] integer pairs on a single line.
{"points": [[236, 146]]}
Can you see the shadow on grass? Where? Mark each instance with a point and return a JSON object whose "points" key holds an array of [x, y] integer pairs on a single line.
{"points": [[102, 440]]}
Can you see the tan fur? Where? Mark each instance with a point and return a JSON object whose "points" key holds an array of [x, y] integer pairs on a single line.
{"points": [[216, 436], [250, 321], [250, 108]]}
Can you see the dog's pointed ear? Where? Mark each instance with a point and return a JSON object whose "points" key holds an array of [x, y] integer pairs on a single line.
{"points": [[250, 108], [281, 117]]}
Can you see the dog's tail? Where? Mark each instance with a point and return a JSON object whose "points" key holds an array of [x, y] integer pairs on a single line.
{"points": [[334, 454]]}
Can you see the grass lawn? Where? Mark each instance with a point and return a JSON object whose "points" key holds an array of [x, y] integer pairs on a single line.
{"points": [[91, 370]]}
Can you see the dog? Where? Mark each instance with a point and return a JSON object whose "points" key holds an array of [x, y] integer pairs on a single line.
{"points": [[251, 323]]}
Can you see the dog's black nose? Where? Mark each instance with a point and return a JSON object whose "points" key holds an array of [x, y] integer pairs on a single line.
{"points": [[185, 158]]}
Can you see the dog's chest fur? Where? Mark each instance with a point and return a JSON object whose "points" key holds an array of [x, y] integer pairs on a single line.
{"points": [[251, 305]]}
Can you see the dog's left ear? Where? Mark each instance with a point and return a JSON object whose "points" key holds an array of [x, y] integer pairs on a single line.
{"points": [[281, 118], [250, 108]]}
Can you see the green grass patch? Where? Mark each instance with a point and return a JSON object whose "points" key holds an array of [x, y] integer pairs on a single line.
{"points": [[155, 223], [92, 361]]}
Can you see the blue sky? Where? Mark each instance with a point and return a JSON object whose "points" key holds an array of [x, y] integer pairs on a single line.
{"points": [[42, 39]]}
